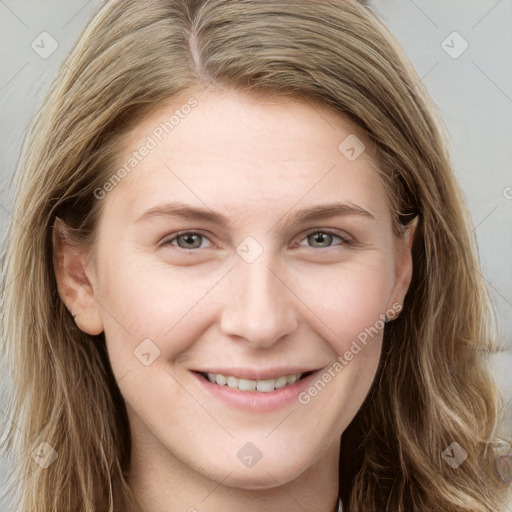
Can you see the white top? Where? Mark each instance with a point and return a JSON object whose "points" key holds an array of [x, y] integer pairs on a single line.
{"points": [[340, 508]]}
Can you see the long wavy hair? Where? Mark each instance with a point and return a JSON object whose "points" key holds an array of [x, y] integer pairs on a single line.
{"points": [[432, 387]]}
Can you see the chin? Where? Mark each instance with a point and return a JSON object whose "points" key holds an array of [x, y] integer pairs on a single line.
{"points": [[266, 476]]}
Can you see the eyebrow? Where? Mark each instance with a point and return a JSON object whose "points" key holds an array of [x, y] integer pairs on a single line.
{"points": [[181, 210]]}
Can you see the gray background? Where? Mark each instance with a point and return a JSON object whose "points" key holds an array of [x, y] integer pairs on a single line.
{"points": [[473, 92]]}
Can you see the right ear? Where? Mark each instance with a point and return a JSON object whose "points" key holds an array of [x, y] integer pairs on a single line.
{"points": [[70, 264]]}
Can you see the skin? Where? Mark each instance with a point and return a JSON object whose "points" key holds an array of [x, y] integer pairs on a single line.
{"points": [[257, 161]]}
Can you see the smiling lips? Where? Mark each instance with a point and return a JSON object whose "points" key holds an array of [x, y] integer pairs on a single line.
{"points": [[263, 386], [256, 390]]}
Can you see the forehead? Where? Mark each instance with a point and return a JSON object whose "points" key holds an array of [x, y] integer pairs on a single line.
{"points": [[239, 151]]}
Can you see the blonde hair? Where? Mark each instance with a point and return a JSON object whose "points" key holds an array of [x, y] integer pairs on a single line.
{"points": [[432, 387]]}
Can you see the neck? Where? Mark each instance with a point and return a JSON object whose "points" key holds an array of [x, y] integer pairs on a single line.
{"points": [[160, 481]]}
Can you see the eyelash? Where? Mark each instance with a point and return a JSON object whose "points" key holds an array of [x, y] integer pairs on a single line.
{"points": [[344, 241]]}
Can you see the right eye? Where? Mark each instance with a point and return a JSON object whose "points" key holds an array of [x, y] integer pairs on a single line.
{"points": [[187, 240]]}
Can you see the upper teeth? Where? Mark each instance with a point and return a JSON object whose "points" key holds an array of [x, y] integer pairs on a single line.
{"points": [[264, 386]]}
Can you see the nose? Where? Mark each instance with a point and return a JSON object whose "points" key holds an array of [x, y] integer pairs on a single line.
{"points": [[259, 306]]}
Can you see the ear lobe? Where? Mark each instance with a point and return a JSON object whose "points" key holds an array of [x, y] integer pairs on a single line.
{"points": [[74, 287]]}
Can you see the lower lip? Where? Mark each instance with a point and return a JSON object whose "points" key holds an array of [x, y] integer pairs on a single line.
{"points": [[255, 401]]}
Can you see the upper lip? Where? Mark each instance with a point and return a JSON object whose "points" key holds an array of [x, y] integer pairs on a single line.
{"points": [[258, 374]]}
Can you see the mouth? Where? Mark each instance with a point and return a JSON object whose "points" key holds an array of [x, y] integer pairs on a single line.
{"points": [[268, 390], [261, 385]]}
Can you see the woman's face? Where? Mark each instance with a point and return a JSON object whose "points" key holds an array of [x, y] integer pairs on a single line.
{"points": [[210, 261]]}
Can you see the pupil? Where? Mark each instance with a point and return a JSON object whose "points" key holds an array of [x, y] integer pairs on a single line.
{"points": [[189, 239], [320, 237]]}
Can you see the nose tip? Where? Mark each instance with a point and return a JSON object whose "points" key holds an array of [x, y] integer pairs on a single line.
{"points": [[259, 307]]}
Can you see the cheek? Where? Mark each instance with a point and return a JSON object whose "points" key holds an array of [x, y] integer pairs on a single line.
{"points": [[140, 302], [347, 308], [345, 303]]}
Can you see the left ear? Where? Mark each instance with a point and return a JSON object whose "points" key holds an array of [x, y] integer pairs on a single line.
{"points": [[74, 286], [403, 265]]}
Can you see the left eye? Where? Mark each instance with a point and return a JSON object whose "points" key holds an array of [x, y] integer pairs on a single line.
{"points": [[321, 237], [192, 239]]}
